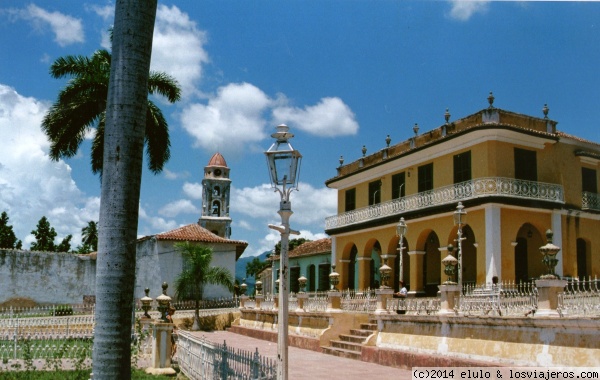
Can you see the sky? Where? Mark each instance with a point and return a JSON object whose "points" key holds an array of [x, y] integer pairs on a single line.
{"points": [[341, 73]]}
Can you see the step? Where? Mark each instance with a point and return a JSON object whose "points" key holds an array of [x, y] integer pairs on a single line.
{"points": [[340, 352], [350, 346], [352, 338], [368, 326], [361, 332]]}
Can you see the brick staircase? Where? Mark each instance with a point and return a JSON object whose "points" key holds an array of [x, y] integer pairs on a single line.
{"points": [[350, 345]]}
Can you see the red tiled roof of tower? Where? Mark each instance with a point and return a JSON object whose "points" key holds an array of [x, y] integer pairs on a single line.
{"points": [[196, 233], [217, 160], [312, 248]]}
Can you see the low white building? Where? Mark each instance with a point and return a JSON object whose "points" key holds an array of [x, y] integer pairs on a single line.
{"points": [[158, 260]]}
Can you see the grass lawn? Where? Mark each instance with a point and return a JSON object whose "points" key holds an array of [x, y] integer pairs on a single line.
{"points": [[136, 374]]}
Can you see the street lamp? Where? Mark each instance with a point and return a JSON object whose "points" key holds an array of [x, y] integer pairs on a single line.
{"points": [[401, 229], [284, 166], [460, 219]]}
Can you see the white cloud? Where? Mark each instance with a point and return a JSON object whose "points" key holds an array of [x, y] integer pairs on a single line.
{"points": [[193, 190], [462, 10], [153, 225], [260, 204], [31, 184], [329, 118], [175, 175], [181, 206], [231, 121], [178, 48], [107, 12], [67, 30], [310, 205]]}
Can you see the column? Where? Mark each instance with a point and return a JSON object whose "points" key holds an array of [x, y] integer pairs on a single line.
{"points": [[493, 242], [558, 238], [363, 272], [416, 273]]}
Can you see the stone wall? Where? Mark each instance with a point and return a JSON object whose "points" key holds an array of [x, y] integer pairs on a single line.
{"points": [[46, 277], [572, 342]]}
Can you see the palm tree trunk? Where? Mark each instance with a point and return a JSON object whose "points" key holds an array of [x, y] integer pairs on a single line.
{"points": [[121, 181]]}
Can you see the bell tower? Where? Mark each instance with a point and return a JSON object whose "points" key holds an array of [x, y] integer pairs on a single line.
{"points": [[216, 187]]}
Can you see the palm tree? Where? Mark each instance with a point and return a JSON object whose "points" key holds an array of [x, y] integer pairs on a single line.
{"points": [[197, 273], [81, 106], [89, 235], [125, 130]]}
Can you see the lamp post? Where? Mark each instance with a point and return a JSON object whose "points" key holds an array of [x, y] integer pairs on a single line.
{"points": [[284, 166], [460, 219], [401, 229]]}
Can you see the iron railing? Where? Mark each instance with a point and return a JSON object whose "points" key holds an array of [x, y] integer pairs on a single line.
{"points": [[476, 188], [200, 359], [590, 201], [581, 298], [503, 299], [359, 301]]}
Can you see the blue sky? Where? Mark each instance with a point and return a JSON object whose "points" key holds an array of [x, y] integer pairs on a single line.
{"points": [[342, 74]]}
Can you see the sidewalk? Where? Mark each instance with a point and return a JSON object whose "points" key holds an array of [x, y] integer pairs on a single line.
{"points": [[309, 365]]}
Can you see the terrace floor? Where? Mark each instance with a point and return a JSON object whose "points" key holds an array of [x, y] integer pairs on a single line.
{"points": [[307, 364]]}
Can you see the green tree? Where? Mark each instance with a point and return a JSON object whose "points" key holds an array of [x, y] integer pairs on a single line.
{"points": [[8, 239], [255, 266], [81, 106], [125, 132], [89, 236], [45, 235], [197, 273], [65, 244]]}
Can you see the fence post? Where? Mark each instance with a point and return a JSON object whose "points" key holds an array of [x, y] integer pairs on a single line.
{"points": [[383, 294], [448, 292], [548, 290], [224, 365], [255, 365], [334, 301]]}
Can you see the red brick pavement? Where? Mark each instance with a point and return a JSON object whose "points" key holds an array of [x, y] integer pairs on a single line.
{"points": [[310, 365]]}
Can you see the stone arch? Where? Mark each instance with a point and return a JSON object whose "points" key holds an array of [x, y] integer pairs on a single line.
{"points": [[393, 249], [468, 255], [431, 265], [216, 208], [584, 258], [528, 260], [349, 264], [372, 255]]}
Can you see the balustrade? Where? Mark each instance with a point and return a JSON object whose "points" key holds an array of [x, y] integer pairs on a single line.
{"points": [[476, 188]]}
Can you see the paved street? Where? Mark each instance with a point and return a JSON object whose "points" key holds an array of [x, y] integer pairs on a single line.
{"points": [[310, 365]]}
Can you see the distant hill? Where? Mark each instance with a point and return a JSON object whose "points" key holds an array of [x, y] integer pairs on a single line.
{"points": [[240, 267]]}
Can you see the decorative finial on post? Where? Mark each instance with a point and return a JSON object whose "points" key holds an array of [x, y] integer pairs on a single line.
{"points": [[334, 279], [388, 140], [146, 301], [341, 160], [449, 263], [163, 302], [545, 111], [364, 150], [490, 99], [416, 129], [549, 252], [447, 116]]}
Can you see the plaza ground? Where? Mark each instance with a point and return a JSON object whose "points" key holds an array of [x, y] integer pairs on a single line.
{"points": [[306, 364]]}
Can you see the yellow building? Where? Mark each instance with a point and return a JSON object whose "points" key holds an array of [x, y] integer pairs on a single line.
{"points": [[516, 175]]}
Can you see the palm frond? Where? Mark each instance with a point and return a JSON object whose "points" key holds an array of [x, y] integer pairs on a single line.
{"points": [[158, 143], [165, 85]]}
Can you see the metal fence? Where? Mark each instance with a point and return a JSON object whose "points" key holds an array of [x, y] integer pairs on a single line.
{"points": [[359, 301], [581, 298], [200, 359]]}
